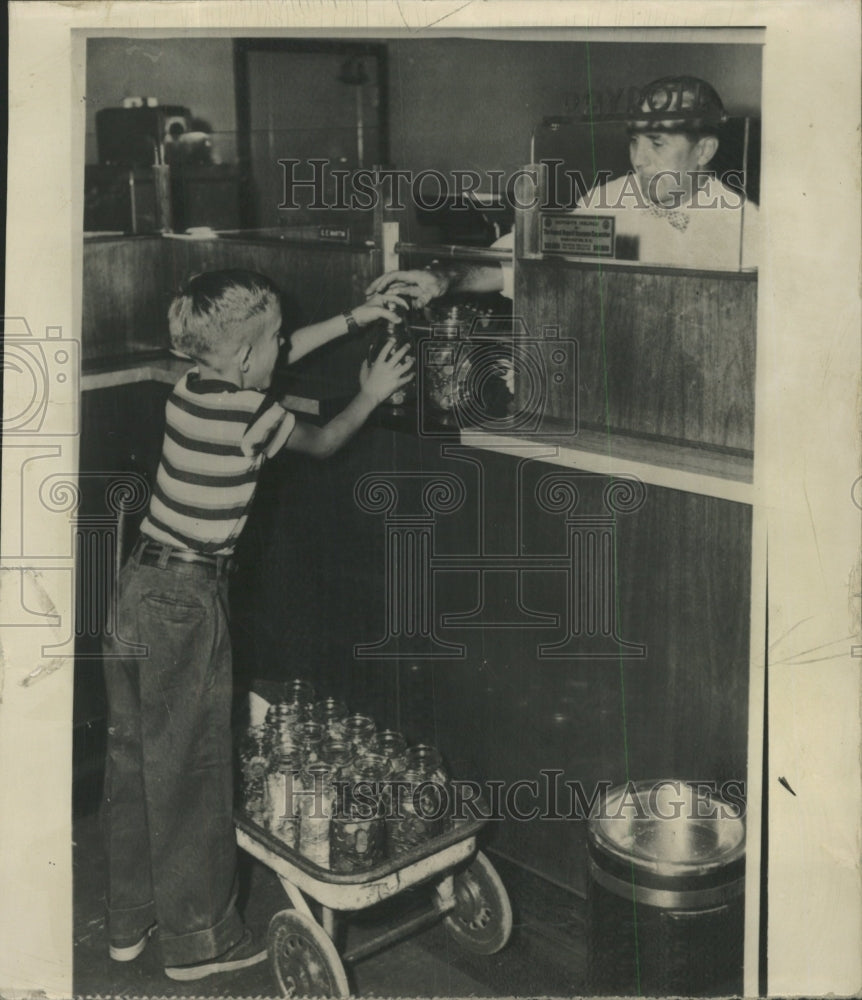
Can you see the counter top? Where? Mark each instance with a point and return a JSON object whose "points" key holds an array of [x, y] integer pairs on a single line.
{"points": [[167, 370], [724, 474], [705, 471]]}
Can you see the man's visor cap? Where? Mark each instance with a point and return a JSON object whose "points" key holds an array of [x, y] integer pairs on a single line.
{"points": [[677, 104]]}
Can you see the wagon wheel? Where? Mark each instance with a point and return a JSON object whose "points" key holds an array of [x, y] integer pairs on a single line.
{"points": [[482, 919], [304, 960]]}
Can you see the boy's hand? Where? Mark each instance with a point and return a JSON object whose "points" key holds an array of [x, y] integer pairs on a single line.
{"points": [[380, 307], [390, 371]]}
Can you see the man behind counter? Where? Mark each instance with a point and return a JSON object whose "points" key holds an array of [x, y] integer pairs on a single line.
{"points": [[669, 210]]}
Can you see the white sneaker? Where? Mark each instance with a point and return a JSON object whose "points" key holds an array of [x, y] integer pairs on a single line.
{"points": [[244, 953], [129, 952]]}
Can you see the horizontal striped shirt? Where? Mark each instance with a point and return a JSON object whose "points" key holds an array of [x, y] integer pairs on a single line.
{"points": [[213, 450]]}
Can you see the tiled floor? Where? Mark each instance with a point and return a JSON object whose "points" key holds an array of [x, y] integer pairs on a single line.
{"points": [[540, 960]]}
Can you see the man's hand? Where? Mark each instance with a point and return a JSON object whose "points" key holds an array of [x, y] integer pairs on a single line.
{"points": [[420, 286], [390, 371]]}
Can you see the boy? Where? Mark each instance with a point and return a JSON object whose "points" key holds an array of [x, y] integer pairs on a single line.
{"points": [[170, 844]]}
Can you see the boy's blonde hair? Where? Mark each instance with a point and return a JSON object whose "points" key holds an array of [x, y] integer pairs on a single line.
{"points": [[211, 309]]}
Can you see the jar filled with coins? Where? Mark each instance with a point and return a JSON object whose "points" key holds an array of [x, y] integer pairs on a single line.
{"points": [[253, 762], [330, 713], [358, 833], [316, 796], [282, 784]]}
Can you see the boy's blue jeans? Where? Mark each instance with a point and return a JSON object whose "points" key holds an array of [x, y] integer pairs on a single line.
{"points": [[167, 812]]}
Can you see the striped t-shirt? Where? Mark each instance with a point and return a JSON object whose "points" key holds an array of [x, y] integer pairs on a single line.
{"points": [[212, 454]]}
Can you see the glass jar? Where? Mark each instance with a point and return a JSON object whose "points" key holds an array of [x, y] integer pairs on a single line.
{"points": [[281, 718], [359, 731], [358, 840], [391, 745], [369, 767], [416, 813], [309, 738], [298, 692], [358, 837], [339, 755], [427, 760], [253, 760], [282, 784], [330, 713], [254, 741], [446, 362], [316, 807], [400, 333]]}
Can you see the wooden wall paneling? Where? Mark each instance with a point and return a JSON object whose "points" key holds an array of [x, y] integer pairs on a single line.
{"points": [[505, 713], [124, 308], [669, 354]]}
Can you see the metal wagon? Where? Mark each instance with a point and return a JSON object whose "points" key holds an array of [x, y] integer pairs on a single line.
{"points": [[468, 895]]}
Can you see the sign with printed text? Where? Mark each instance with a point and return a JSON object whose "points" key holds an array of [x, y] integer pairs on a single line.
{"points": [[578, 235]]}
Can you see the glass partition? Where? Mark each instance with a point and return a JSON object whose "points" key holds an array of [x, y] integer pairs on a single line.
{"points": [[608, 189]]}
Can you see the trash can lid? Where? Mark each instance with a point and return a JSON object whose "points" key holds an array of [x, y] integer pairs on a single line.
{"points": [[669, 827]]}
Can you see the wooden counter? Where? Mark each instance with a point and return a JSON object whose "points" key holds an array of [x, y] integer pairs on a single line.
{"points": [[662, 352]]}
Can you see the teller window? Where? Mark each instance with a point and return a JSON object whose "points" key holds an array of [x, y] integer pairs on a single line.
{"points": [[648, 194]]}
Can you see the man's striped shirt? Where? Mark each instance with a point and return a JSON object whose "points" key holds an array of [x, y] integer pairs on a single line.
{"points": [[206, 479]]}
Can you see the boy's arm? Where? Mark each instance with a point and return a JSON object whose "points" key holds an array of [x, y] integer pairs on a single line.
{"points": [[321, 442], [389, 372], [309, 338]]}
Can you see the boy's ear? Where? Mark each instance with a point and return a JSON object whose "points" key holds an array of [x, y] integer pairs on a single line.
{"points": [[245, 357]]}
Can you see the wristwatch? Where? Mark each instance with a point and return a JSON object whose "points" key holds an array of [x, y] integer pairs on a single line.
{"points": [[350, 319]]}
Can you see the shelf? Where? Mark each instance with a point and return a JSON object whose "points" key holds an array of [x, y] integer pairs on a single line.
{"points": [[704, 471], [168, 370]]}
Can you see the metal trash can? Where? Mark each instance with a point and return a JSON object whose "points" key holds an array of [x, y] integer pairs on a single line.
{"points": [[665, 892]]}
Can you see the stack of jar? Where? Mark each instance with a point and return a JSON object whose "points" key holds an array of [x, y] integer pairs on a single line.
{"points": [[331, 786]]}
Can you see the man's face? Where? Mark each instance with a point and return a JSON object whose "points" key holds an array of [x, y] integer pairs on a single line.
{"points": [[664, 163], [264, 339]]}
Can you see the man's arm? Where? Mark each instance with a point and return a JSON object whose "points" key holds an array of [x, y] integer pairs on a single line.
{"points": [[440, 279], [443, 277]]}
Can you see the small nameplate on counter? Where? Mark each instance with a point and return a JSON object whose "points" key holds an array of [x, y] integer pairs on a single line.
{"points": [[340, 234], [578, 235]]}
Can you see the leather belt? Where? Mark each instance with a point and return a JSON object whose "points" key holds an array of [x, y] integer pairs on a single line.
{"points": [[151, 553]]}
